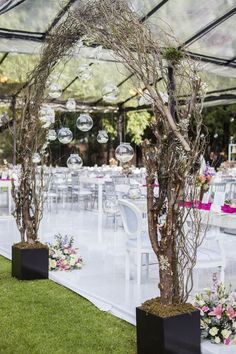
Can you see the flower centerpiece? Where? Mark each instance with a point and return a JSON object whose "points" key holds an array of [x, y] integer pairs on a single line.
{"points": [[203, 181], [62, 254], [218, 314]]}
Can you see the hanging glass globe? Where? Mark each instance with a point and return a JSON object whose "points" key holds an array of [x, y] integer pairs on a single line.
{"points": [[102, 137], [124, 152], [52, 135], [232, 119], [65, 135], [74, 162], [84, 72], [84, 122], [36, 158], [216, 135], [54, 90], [110, 93], [71, 104]]}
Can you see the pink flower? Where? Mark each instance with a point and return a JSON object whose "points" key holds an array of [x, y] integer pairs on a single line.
{"points": [[231, 313], [205, 308], [217, 312], [227, 341]]}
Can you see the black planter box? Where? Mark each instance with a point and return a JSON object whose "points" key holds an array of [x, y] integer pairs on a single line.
{"points": [[29, 264], [171, 335]]}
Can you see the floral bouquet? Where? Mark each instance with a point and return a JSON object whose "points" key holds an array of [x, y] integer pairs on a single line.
{"points": [[62, 254], [218, 314], [203, 181]]}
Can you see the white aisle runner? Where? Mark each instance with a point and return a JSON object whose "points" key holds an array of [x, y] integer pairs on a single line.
{"points": [[101, 280]]}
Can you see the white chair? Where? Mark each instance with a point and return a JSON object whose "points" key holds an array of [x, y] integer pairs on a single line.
{"points": [[137, 242], [217, 187], [232, 191], [210, 254], [121, 190]]}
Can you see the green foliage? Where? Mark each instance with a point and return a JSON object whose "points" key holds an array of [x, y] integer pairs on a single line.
{"points": [[41, 317], [136, 125], [217, 120], [110, 127], [172, 54]]}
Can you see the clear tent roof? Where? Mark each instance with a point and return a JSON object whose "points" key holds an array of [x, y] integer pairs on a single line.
{"points": [[204, 29]]}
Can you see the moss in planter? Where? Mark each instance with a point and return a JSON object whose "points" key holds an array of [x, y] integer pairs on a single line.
{"points": [[155, 307], [24, 245], [172, 55]]}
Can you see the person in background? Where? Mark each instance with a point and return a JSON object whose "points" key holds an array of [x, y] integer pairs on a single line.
{"points": [[211, 159], [221, 157]]}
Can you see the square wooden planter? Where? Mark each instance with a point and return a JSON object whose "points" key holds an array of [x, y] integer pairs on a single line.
{"points": [[29, 264], [171, 335]]}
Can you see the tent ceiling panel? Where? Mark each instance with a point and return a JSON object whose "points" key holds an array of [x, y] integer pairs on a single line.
{"points": [[32, 15], [144, 7], [220, 42], [225, 71], [186, 18], [16, 67], [216, 46], [19, 46]]}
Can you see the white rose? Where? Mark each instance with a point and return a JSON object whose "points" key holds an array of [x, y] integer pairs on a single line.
{"points": [[213, 331], [226, 333], [201, 303], [72, 262], [217, 340]]}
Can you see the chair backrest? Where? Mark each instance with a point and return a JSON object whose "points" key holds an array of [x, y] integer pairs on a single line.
{"points": [[131, 218], [232, 191], [120, 179], [109, 189], [121, 189], [218, 187]]}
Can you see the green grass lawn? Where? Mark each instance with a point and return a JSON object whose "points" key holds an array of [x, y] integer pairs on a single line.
{"points": [[43, 317]]}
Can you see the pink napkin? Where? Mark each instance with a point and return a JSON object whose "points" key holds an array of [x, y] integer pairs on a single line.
{"points": [[228, 209], [196, 204]]}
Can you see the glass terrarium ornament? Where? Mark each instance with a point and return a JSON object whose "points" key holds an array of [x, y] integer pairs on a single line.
{"points": [[36, 158], [124, 152], [110, 93], [84, 122], [52, 135], [84, 72], [71, 104], [74, 162], [102, 137], [54, 90], [65, 135]]}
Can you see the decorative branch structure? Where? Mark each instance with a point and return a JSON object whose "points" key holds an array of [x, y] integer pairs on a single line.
{"points": [[171, 157]]}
